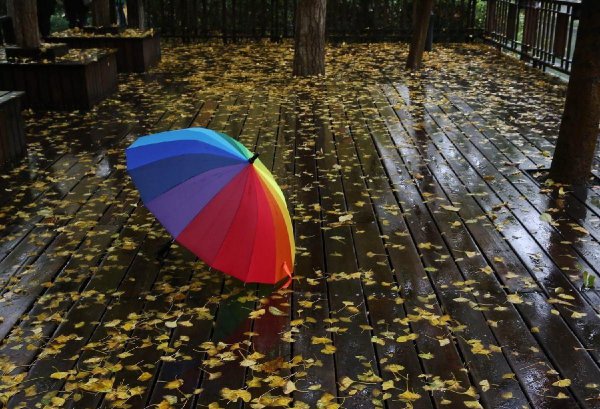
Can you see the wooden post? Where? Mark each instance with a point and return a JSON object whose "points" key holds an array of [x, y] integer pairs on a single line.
{"points": [[574, 153], [135, 14], [25, 22], [532, 12], [309, 38], [112, 6], [561, 34], [490, 17], [421, 26], [101, 13], [512, 23]]}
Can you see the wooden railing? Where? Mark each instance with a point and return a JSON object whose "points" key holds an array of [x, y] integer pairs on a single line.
{"points": [[541, 32], [369, 20]]}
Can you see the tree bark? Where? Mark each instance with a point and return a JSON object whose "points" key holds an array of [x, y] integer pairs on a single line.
{"points": [[309, 38], [578, 135], [101, 13], [25, 22], [419, 36], [135, 14]]}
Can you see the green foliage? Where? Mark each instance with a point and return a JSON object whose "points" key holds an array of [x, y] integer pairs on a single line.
{"points": [[589, 280], [58, 22]]}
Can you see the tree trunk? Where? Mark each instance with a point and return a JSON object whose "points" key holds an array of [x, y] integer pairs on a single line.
{"points": [[574, 153], [101, 13], [309, 41], [135, 14], [25, 22], [419, 36]]}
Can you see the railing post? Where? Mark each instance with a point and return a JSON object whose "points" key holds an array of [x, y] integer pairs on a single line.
{"points": [[429, 39], [532, 12], [512, 22], [561, 32], [490, 17]]}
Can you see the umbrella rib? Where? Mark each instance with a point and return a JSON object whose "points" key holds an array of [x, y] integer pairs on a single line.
{"points": [[230, 224], [152, 202], [247, 269], [206, 139], [191, 177], [275, 212], [215, 155]]}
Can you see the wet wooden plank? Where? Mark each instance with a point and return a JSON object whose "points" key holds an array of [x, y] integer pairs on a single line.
{"points": [[449, 286], [71, 337], [232, 324], [41, 321], [135, 351], [397, 361], [79, 211], [310, 307], [271, 334], [114, 219], [495, 315], [534, 256], [207, 299], [148, 343], [571, 359], [345, 289], [569, 214], [513, 151]]}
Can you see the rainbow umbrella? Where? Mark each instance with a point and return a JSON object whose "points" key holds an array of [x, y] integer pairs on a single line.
{"points": [[217, 199]]}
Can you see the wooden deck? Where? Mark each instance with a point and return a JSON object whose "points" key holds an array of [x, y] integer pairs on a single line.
{"points": [[432, 269]]}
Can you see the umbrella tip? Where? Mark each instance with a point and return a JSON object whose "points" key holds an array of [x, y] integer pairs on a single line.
{"points": [[253, 158]]}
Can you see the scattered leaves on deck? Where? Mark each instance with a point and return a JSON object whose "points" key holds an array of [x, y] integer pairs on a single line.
{"points": [[430, 268]]}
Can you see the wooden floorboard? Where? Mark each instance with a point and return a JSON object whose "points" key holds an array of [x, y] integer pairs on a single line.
{"points": [[432, 268]]}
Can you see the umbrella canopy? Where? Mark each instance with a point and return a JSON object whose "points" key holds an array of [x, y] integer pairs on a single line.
{"points": [[217, 199]]}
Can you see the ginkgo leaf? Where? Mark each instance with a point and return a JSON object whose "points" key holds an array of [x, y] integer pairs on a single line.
{"points": [[276, 311], [514, 298], [257, 314], [234, 395], [174, 384], [563, 383], [409, 396], [59, 375], [345, 218], [289, 387], [98, 385]]}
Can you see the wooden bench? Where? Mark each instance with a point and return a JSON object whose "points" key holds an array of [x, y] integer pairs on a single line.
{"points": [[77, 84], [134, 54], [12, 128]]}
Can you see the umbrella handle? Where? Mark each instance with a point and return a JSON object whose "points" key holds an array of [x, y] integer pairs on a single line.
{"points": [[253, 158]]}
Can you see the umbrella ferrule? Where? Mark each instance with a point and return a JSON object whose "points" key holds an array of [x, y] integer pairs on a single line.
{"points": [[253, 158]]}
